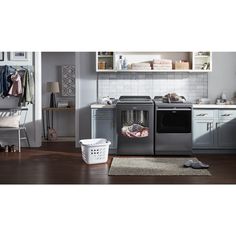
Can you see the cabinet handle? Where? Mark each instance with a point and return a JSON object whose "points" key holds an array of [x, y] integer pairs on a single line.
{"points": [[227, 115], [202, 114], [209, 126]]}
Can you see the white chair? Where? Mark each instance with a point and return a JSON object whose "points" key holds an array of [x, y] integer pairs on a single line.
{"points": [[7, 112]]}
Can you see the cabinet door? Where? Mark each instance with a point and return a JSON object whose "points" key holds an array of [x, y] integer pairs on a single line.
{"points": [[203, 136], [104, 125], [105, 129], [226, 134]]}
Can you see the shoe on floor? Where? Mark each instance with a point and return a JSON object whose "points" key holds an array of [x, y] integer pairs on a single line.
{"points": [[12, 148], [7, 148], [199, 165], [188, 163], [2, 149]]}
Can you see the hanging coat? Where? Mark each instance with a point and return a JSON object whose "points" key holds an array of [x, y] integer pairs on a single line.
{"points": [[27, 95], [16, 87], [5, 81]]}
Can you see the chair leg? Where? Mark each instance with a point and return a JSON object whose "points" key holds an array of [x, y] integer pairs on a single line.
{"points": [[27, 138], [19, 141]]}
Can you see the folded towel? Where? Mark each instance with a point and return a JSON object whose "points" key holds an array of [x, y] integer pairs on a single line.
{"points": [[162, 68], [141, 68], [162, 61], [141, 64], [162, 64]]}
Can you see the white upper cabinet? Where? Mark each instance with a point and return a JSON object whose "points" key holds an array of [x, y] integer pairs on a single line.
{"points": [[153, 61], [202, 61], [105, 61]]}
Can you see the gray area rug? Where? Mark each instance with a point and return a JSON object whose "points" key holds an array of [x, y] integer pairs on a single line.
{"points": [[153, 166]]}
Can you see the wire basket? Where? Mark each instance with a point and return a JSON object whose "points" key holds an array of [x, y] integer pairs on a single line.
{"points": [[95, 151]]}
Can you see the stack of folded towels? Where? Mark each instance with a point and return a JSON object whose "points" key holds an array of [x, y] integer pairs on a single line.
{"points": [[162, 64], [141, 66]]}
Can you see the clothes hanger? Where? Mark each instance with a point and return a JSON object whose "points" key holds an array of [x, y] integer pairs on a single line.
{"points": [[13, 67], [24, 68]]}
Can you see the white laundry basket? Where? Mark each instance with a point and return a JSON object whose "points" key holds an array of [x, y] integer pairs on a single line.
{"points": [[95, 151]]}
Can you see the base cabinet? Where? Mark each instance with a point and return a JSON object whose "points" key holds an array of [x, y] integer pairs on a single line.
{"points": [[103, 125], [216, 132], [226, 134], [203, 134]]}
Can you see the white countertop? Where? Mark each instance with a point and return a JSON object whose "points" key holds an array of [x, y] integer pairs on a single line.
{"points": [[95, 105], [200, 106], [216, 106]]}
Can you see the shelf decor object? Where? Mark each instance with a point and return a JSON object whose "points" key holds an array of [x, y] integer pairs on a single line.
{"points": [[18, 56], [53, 88], [68, 81]]}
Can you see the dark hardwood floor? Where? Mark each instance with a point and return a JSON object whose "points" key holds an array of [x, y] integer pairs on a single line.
{"points": [[61, 163]]}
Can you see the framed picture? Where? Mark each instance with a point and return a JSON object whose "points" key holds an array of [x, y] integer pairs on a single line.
{"points": [[1, 56], [68, 81], [18, 56]]}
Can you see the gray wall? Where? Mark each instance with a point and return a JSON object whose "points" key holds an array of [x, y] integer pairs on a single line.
{"points": [[64, 122], [86, 92], [223, 76]]}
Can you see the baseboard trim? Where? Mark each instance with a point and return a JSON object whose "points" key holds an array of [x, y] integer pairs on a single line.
{"points": [[214, 151]]}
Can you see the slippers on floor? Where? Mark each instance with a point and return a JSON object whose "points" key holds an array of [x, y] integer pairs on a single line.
{"points": [[199, 165], [196, 164], [188, 163]]}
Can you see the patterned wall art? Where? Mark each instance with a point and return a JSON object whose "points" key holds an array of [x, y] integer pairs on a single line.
{"points": [[68, 81]]}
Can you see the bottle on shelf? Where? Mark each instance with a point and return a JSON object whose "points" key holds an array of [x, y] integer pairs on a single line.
{"points": [[124, 64], [119, 63]]}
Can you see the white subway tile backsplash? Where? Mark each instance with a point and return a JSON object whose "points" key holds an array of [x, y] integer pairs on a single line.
{"points": [[190, 85]]}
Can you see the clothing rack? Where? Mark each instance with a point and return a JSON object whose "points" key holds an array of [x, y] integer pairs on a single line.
{"points": [[16, 87], [20, 67]]}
